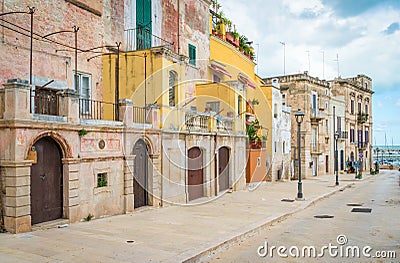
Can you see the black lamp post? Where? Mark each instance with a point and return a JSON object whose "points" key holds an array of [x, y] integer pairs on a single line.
{"points": [[299, 119], [74, 30], [336, 158]]}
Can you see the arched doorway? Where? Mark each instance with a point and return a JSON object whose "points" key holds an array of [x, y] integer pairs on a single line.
{"points": [[195, 173], [140, 175], [223, 168], [46, 182]]}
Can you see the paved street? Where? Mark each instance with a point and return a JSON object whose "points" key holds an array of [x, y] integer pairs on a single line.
{"points": [[380, 229], [175, 234]]}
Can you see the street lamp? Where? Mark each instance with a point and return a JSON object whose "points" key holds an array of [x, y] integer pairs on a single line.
{"points": [[299, 119], [336, 158], [74, 30]]}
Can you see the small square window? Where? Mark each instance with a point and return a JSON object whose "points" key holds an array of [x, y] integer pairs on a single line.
{"points": [[101, 179]]}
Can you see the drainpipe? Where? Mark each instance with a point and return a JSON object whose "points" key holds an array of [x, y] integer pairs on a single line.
{"points": [[186, 171], [179, 33]]}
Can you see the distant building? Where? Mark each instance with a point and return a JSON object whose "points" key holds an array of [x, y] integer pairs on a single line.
{"points": [[357, 93], [311, 96]]}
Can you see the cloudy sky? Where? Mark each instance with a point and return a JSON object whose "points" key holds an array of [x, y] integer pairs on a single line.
{"points": [[365, 34]]}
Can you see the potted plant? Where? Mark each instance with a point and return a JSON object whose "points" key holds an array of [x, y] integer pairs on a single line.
{"points": [[255, 141]]}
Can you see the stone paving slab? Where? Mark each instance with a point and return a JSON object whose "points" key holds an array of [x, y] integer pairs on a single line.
{"points": [[169, 234]]}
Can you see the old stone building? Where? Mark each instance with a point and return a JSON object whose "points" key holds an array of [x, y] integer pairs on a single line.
{"points": [[357, 94], [312, 96], [75, 147]]}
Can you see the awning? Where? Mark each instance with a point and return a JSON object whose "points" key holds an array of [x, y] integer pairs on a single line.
{"points": [[220, 70], [247, 81]]}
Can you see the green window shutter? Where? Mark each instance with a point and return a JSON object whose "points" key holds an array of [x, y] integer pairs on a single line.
{"points": [[143, 24], [192, 55]]}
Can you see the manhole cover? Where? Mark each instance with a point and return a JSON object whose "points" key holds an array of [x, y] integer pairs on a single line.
{"points": [[354, 204], [361, 210], [324, 216], [287, 200]]}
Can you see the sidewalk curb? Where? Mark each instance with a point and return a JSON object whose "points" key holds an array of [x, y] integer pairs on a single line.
{"points": [[203, 252]]}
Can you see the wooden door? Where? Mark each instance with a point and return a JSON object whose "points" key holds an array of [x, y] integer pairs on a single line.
{"points": [[223, 168], [326, 163], [140, 182], [195, 173], [46, 182], [143, 24]]}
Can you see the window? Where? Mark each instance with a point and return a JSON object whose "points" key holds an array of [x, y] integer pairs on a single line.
{"points": [[101, 179], [326, 92], [360, 136], [352, 107], [284, 147], [366, 108], [84, 88], [326, 105], [192, 55], [366, 135], [283, 99], [351, 134], [326, 126], [275, 146], [216, 78], [213, 106], [172, 88], [359, 107], [239, 110], [339, 124]]}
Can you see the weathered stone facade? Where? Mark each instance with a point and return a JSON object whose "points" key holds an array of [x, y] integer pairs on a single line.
{"points": [[357, 94], [311, 96]]}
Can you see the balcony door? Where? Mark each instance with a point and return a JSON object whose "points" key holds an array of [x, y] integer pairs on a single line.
{"points": [[143, 24]]}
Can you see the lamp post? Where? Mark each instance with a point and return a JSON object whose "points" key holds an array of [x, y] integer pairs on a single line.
{"points": [[31, 12], [336, 158], [284, 56], [299, 119], [75, 31]]}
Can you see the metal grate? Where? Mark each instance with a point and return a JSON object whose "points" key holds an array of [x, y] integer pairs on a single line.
{"points": [[354, 204], [324, 216], [287, 200], [361, 210]]}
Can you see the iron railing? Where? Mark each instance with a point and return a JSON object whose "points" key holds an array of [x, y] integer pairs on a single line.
{"points": [[96, 110], [141, 38], [46, 102], [224, 125], [197, 122], [142, 115], [343, 135]]}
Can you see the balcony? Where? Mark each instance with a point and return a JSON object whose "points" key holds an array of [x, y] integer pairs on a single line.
{"points": [[317, 148], [46, 102], [362, 145], [343, 135], [317, 115], [141, 38], [96, 110], [197, 122], [362, 117], [225, 125]]}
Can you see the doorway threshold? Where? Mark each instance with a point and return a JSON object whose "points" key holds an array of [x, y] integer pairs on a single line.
{"points": [[50, 224]]}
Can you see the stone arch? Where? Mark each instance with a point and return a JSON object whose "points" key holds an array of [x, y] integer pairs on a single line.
{"points": [[62, 143], [149, 144]]}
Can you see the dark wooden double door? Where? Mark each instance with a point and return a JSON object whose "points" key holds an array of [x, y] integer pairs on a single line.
{"points": [[223, 168], [195, 174], [46, 182], [140, 182]]}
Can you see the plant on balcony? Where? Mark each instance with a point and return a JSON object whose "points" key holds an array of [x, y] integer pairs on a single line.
{"points": [[253, 102], [252, 128]]}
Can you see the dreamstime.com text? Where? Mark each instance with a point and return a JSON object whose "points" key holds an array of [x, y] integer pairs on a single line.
{"points": [[340, 250]]}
